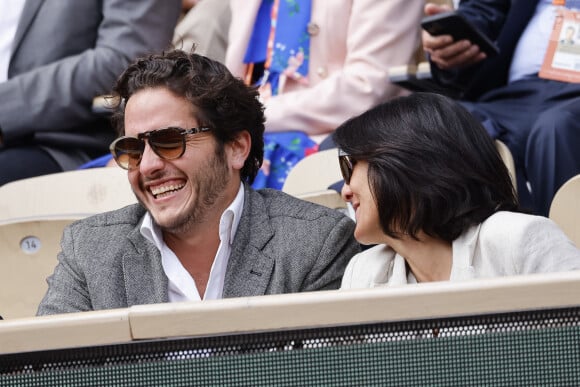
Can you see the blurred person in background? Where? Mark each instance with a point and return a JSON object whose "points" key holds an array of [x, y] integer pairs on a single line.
{"points": [[536, 116], [317, 63], [55, 57], [205, 25]]}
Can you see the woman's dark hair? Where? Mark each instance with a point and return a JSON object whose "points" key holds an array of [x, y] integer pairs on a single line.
{"points": [[219, 100], [432, 167]]}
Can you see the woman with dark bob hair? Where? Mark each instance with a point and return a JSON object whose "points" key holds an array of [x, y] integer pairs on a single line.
{"points": [[429, 188]]}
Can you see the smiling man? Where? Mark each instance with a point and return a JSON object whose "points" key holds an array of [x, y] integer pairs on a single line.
{"points": [[192, 143]]}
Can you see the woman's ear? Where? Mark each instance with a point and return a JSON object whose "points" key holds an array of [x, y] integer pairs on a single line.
{"points": [[239, 149]]}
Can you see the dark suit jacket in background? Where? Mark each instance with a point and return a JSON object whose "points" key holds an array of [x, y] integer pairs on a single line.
{"points": [[65, 53], [536, 118], [282, 245], [503, 21]]}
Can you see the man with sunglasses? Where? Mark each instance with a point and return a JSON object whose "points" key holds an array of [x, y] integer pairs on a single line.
{"points": [[192, 144]]}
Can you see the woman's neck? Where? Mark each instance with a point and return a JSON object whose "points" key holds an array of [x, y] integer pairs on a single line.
{"points": [[429, 258]]}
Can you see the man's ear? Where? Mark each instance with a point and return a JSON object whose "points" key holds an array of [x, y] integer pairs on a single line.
{"points": [[239, 149]]}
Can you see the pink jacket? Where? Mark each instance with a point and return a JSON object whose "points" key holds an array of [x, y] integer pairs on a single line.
{"points": [[353, 44]]}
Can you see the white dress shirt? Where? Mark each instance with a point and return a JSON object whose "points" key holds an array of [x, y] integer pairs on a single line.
{"points": [[533, 44], [182, 286], [10, 12]]}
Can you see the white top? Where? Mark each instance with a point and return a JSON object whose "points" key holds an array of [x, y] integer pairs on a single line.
{"points": [[10, 12], [533, 44], [505, 244], [181, 284]]}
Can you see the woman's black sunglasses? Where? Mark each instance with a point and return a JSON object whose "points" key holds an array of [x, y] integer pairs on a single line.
{"points": [[168, 143], [346, 163]]}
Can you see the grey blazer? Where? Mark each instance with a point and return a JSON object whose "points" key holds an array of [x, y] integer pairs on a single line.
{"points": [[282, 245], [64, 54]]}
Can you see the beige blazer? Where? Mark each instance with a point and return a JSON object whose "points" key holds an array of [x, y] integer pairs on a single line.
{"points": [[353, 44], [206, 26], [505, 244]]}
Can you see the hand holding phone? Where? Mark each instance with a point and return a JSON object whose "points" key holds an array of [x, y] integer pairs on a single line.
{"points": [[454, 24]]}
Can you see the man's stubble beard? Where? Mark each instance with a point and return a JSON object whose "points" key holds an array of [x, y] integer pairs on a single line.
{"points": [[209, 183]]}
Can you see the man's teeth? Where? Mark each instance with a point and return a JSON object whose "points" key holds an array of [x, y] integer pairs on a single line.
{"points": [[166, 189]]}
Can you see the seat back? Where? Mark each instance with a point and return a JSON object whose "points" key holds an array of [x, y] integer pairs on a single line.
{"points": [[33, 214], [27, 257], [313, 173], [310, 178], [328, 198], [66, 195], [508, 160], [565, 209]]}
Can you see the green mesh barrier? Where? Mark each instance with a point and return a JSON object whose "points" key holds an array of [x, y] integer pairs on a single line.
{"points": [[524, 349]]}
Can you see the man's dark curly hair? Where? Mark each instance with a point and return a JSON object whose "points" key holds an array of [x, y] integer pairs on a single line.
{"points": [[432, 167], [219, 100]]}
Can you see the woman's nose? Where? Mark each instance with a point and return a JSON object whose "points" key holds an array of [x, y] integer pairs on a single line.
{"points": [[346, 193]]}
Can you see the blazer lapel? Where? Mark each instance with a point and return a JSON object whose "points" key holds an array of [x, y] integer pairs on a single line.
{"points": [[145, 280], [28, 14], [249, 269], [464, 250]]}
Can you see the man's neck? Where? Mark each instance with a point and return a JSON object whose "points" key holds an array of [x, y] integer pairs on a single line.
{"points": [[197, 247], [197, 254]]}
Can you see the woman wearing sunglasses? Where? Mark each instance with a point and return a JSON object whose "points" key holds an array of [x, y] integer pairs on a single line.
{"points": [[429, 188]]}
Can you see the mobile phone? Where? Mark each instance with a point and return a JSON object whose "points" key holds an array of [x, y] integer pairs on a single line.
{"points": [[456, 25]]}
